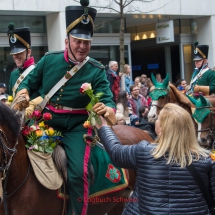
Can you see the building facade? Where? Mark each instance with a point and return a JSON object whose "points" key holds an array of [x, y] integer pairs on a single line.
{"points": [[192, 22]]}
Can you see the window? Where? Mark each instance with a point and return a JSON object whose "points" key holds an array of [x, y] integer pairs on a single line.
{"points": [[37, 24]]}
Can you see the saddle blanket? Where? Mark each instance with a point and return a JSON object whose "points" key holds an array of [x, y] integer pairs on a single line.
{"points": [[108, 178]]}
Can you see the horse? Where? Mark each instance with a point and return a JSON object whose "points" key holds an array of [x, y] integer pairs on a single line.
{"points": [[23, 194], [204, 114], [164, 93]]}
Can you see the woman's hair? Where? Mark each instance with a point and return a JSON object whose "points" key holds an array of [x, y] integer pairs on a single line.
{"points": [[149, 82], [178, 82], [177, 141], [122, 98], [125, 68]]}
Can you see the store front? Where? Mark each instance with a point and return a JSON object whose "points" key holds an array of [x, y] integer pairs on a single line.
{"points": [[174, 58]]}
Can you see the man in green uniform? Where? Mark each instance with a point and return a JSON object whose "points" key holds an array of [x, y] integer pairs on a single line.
{"points": [[203, 78], [66, 104], [20, 46]]}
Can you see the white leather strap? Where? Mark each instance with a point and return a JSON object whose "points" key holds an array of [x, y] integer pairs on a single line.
{"points": [[65, 78], [21, 78], [199, 75]]}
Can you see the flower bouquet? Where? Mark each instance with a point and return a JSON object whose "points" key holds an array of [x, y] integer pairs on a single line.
{"points": [[40, 137], [86, 88]]}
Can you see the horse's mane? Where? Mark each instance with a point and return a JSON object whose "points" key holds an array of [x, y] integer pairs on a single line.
{"points": [[9, 119], [180, 96]]}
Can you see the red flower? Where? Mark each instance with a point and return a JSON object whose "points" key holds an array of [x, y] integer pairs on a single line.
{"points": [[81, 91], [26, 131], [47, 116], [36, 114]]}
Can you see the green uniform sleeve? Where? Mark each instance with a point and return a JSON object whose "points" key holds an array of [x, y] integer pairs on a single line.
{"points": [[211, 81], [33, 81]]}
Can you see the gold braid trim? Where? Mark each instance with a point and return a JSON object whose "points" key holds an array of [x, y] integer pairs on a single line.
{"points": [[22, 41], [73, 24], [200, 52]]}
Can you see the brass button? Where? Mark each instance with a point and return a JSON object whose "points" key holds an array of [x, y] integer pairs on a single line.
{"points": [[61, 95], [22, 77], [70, 66], [60, 107], [58, 99], [56, 107], [64, 85], [61, 90], [18, 82]]}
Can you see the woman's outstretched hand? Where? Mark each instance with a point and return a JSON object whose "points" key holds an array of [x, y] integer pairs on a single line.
{"points": [[103, 123]]}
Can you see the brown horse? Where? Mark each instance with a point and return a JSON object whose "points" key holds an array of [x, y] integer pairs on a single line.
{"points": [[204, 114], [24, 194], [169, 94]]}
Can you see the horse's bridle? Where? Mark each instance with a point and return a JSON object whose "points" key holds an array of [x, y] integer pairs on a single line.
{"points": [[166, 100], [5, 163], [211, 129]]}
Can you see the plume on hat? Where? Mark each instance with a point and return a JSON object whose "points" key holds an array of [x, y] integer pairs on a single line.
{"points": [[11, 27]]}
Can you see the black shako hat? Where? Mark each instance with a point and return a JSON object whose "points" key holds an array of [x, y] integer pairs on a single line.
{"points": [[200, 51], [19, 39], [80, 21]]}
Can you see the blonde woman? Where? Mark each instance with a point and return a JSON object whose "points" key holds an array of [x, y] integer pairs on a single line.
{"points": [[164, 184]]}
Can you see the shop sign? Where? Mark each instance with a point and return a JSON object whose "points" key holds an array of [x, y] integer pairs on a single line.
{"points": [[165, 32]]}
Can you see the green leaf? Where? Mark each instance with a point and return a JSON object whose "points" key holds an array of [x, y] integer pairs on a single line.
{"points": [[89, 107], [49, 150], [93, 121], [98, 120], [27, 146], [99, 94], [53, 145]]}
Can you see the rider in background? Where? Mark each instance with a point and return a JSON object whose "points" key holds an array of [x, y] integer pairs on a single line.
{"points": [[203, 78], [20, 49]]}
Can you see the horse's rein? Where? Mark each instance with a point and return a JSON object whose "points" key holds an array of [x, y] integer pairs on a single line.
{"points": [[211, 129], [11, 151]]}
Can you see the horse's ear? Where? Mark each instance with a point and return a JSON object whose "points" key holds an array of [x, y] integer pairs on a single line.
{"points": [[153, 79], [191, 99], [166, 81], [203, 100]]}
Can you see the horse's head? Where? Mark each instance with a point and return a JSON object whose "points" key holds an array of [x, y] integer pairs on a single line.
{"points": [[9, 131], [160, 97], [204, 114]]}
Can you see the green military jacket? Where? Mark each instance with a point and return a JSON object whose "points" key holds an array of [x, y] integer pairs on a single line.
{"points": [[53, 66], [13, 78], [207, 79]]}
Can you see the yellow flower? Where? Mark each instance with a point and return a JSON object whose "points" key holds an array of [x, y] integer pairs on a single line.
{"points": [[39, 133], [50, 132], [10, 98], [41, 124]]}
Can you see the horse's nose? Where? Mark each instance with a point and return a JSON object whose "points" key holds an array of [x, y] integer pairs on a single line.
{"points": [[152, 118], [203, 140]]}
